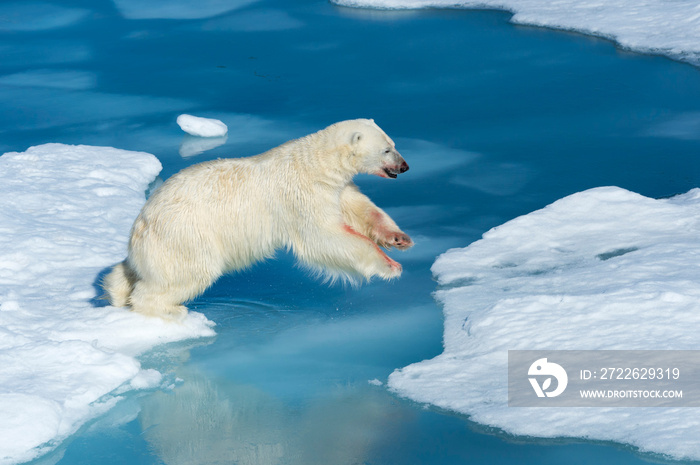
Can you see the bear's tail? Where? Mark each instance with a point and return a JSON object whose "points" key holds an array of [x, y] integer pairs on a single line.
{"points": [[119, 284]]}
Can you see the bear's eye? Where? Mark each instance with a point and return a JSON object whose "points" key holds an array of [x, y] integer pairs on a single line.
{"points": [[387, 151]]}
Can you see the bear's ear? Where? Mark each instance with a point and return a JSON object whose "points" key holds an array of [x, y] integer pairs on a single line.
{"points": [[356, 137]]}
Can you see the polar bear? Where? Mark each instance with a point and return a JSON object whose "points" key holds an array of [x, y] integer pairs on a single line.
{"points": [[224, 215]]}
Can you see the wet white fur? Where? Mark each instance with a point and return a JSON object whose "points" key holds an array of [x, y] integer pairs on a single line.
{"points": [[224, 215]]}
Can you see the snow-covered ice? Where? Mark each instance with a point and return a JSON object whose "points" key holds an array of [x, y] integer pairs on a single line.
{"points": [[202, 127], [664, 27], [601, 269], [65, 215]]}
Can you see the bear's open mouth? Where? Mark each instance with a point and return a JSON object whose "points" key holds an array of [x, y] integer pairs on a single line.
{"points": [[390, 173]]}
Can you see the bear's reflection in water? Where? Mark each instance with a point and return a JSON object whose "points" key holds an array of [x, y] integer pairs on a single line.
{"points": [[202, 422]]}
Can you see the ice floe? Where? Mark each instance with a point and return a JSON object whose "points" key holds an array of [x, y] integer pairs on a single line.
{"points": [[65, 215], [670, 28], [602, 269]]}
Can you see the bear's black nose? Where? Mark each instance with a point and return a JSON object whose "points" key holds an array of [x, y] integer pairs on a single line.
{"points": [[403, 168]]}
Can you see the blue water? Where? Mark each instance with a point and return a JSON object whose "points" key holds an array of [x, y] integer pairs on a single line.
{"points": [[495, 120]]}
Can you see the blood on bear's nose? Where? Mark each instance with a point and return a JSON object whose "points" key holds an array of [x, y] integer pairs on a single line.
{"points": [[403, 168]]}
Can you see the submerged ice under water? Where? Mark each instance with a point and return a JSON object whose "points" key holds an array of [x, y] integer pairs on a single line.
{"points": [[495, 121]]}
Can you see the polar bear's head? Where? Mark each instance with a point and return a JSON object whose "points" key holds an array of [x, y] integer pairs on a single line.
{"points": [[374, 152]]}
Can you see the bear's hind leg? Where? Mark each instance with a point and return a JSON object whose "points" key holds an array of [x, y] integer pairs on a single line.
{"points": [[164, 301], [118, 284]]}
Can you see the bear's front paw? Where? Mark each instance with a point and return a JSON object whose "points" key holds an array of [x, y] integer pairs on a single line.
{"points": [[394, 269], [397, 239]]}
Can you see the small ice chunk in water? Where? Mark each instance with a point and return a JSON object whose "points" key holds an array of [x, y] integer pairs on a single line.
{"points": [[146, 379], [202, 127]]}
